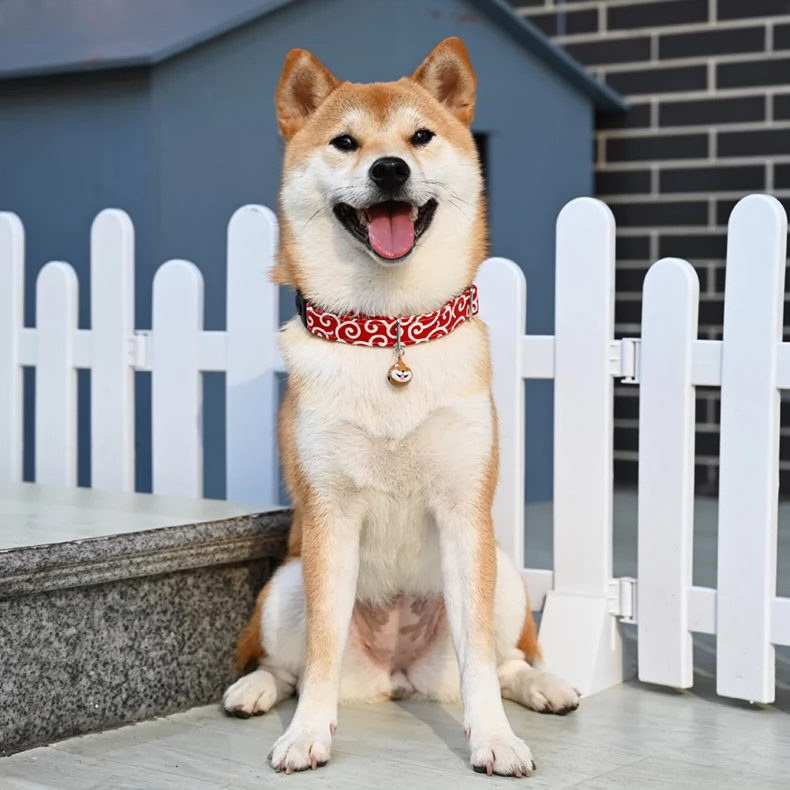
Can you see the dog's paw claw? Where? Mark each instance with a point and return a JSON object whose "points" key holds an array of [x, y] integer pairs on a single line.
{"points": [[300, 750], [503, 755]]}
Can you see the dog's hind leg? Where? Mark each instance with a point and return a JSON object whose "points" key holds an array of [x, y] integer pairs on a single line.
{"points": [[273, 640], [522, 677]]}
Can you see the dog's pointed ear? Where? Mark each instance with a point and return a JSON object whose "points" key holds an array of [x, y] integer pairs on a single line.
{"points": [[304, 84], [447, 74]]}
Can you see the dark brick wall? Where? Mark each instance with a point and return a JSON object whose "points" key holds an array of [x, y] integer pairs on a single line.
{"points": [[709, 83]]}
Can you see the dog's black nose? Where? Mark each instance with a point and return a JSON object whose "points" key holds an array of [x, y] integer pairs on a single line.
{"points": [[390, 173]]}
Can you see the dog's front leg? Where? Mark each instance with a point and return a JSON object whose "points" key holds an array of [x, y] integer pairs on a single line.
{"points": [[330, 565], [469, 577]]}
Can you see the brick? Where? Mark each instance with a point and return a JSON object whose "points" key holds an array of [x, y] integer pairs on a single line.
{"points": [[713, 179], [782, 37], [626, 407], [706, 443], [632, 248], [635, 117], [649, 15], [656, 147], [749, 9], [706, 479], [701, 410], [765, 142], [771, 71], [704, 112], [622, 50], [691, 246], [619, 182], [627, 312], [675, 79], [630, 280], [721, 275], [575, 22], [712, 42], [782, 107], [626, 472], [661, 214], [711, 311], [781, 176], [626, 438]]}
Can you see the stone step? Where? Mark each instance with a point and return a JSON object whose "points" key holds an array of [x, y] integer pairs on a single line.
{"points": [[116, 608]]}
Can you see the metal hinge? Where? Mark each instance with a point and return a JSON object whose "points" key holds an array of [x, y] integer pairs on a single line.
{"points": [[622, 599], [138, 350], [630, 359]]}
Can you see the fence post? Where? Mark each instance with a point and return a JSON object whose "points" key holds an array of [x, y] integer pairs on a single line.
{"points": [[749, 450], [176, 382], [252, 471], [666, 473], [12, 276], [112, 328], [577, 609], [503, 307], [56, 376]]}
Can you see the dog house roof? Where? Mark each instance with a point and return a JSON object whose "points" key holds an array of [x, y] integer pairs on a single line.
{"points": [[39, 37]]}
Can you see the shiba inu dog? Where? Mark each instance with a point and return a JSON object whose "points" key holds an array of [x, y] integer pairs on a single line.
{"points": [[394, 586]]}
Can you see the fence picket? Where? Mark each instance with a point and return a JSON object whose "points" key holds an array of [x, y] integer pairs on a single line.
{"points": [[506, 317], [252, 467], [12, 274], [56, 376], [749, 448], [583, 389], [666, 473], [112, 327], [176, 385]]}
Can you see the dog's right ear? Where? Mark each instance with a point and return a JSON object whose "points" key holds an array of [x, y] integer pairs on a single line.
{"points": [[304, 84]]}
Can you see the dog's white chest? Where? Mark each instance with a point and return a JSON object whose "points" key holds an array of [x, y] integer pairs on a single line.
{"points": [[354, 429]]}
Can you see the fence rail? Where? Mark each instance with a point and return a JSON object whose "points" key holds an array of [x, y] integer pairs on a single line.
{"points": [[583, 604]]}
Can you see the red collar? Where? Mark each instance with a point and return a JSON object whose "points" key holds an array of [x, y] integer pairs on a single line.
{"points": [[364, 330]]}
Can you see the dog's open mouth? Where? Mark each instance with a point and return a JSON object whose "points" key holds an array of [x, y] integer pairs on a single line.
{"points": [[390, 229]]}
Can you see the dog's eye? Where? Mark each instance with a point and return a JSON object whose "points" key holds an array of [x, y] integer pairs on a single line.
{"points": [[422, 136], [345, 143]]}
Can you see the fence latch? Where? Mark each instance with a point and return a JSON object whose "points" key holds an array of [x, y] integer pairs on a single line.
{"points": [[622, 599], [629, 359]]}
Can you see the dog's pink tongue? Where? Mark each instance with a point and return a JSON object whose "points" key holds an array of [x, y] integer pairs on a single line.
{"points": [[391, 231]]}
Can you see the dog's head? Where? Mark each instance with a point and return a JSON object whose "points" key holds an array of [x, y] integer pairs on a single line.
{"points": [[382, 206]]}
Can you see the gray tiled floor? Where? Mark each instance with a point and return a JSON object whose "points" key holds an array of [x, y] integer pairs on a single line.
{"points": [[627, 737]]}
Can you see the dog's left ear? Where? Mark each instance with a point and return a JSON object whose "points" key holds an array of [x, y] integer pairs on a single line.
{"points": [[447, 74], [304, 84]]}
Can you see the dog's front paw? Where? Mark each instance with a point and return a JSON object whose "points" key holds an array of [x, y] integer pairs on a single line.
{"points": [[301, 748], [547, 693], [502, 754]]}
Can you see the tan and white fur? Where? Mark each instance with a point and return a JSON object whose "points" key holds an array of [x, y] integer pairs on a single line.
{"points": [[394, 586]]}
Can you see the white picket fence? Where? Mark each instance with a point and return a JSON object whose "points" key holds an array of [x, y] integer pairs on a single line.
{"points": [[582, 603]]}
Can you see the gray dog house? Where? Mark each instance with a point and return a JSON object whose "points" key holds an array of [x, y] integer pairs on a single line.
{"points": [[165, 109]]}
